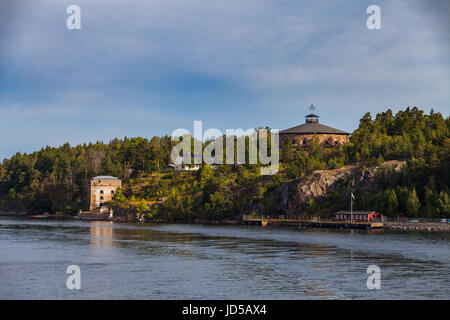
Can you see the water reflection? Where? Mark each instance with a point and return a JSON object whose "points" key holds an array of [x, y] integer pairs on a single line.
{"points": [[101, 234]]}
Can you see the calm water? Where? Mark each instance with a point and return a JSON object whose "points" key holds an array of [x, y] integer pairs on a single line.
{"points": [[181, 261]]}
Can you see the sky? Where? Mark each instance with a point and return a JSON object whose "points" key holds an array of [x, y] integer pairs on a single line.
{"points": [[148, 67]]}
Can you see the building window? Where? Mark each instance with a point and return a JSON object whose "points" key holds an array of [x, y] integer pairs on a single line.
{"points": [[293, 141], [336, 142], [112, 192], [101, 191], [101, 198], [304, 141], [326, 142]]}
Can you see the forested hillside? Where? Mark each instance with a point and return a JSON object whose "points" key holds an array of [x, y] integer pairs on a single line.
{"points": [[56, 179]]}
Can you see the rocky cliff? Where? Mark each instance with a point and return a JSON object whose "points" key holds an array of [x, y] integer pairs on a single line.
{"points": [[292, 195]]}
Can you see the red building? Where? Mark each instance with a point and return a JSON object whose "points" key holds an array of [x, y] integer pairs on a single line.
{"points": [[359, 216], [402, 216]]}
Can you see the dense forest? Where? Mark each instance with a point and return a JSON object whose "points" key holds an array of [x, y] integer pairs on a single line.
{"points": [[56, 179]]}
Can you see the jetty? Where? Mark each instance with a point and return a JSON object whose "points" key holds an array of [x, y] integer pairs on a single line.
{"points": [[305, 222]]}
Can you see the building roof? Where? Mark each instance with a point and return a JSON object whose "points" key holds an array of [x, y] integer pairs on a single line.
{"points": [[313, 127], [354, 212], [105, 178]]}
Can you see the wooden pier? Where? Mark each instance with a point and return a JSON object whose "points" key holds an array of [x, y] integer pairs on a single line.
{"points": [[316, 223]]}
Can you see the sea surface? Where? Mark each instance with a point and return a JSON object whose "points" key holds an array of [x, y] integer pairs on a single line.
{"points": [[187, 261]]}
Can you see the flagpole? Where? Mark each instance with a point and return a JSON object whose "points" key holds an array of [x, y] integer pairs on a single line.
{"points": [[351, 207]]}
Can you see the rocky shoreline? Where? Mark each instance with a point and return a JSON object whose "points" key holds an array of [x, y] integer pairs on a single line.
{"points": [[38, 216], [417, 226]]}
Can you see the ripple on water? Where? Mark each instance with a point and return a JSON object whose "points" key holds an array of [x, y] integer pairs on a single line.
{"points": [[182, 261]]}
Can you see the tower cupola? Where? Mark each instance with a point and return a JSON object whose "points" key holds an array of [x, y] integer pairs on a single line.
{"points": [[312, 118]]}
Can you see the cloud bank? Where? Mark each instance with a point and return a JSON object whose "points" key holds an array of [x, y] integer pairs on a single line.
{"points": [[148, 67]]}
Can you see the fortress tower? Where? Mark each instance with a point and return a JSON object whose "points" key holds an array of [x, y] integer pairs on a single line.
{"points": [[302, 135], [101, 190]]}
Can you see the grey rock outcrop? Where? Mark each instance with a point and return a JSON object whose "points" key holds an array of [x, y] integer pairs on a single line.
{"points": [[320, 183]]}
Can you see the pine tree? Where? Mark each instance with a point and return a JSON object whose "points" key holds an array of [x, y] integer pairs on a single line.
{"points": [[444, 203], [204, 174], [413, 203], [390, 202]]}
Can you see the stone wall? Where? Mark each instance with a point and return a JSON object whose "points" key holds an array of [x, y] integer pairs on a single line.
{"points": [[408, 226], [93, 216], [304, 140]]}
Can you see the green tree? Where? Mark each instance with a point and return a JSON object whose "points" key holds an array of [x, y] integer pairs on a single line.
{"points": [[413, 203], [390, 202], [444, 203], [220, 203], [143, 207], [204, 174], [380, 160], [119, 196], [12, 194], [243, 175], [431, 198]]}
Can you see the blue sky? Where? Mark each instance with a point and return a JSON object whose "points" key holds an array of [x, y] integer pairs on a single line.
{"points": [[145, 68]]}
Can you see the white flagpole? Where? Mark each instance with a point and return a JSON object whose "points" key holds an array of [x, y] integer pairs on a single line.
{"points": [[351, 207]]}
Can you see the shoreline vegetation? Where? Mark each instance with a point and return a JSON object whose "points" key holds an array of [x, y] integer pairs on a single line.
{"points": [[394, 163]]}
